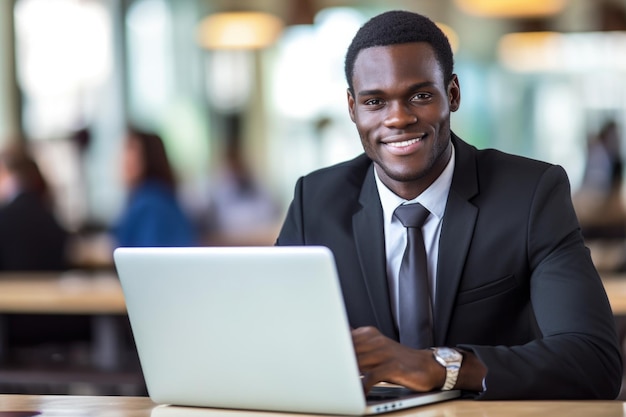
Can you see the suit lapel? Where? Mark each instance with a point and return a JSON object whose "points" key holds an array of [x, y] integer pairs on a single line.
{"points": [[456, 234], [370, 244]]}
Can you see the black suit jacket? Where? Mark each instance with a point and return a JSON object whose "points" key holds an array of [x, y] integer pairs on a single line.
{"points": [[30, 237], [515, 283]]}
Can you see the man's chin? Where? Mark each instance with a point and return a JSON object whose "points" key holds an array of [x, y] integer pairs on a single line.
{"points": [[400, 174]]}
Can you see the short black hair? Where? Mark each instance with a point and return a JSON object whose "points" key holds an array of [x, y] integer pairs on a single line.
{"points": [[397, 27]]}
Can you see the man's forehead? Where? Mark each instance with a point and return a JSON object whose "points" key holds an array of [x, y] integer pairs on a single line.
{"points": [[410, 49], [399, 60]]}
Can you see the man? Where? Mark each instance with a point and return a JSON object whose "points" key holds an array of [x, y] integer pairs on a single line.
{"points": [[514, 291]]}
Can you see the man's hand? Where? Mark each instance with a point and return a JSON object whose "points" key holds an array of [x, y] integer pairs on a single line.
{"points": [[384, 360]]}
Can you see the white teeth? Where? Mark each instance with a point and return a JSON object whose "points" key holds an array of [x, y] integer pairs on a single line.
{"points": [[404, 143]]}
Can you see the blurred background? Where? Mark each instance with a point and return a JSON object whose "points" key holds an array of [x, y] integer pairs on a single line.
{"points": [[539, 78], [247, 95]]}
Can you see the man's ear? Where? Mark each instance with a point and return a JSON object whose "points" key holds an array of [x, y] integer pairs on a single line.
{"points": [[351, 104], [454, 93]]}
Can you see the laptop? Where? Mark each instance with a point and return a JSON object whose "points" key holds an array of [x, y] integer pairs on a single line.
{"points": [[255, 328]]}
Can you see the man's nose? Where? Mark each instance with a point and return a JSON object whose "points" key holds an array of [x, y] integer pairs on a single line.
{"points": [[399, 115]]}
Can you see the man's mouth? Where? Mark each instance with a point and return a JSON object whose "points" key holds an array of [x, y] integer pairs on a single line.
{"points": [[396, 143], [404, 143]]}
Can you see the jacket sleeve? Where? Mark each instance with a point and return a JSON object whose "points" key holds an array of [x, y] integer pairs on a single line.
{"points": [[578, 355], [292, 232]]}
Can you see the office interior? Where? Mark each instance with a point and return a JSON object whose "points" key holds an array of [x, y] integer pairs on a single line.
{"points": [[544, 79]]}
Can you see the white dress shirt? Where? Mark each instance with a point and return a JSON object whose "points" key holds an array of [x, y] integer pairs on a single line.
{"points": [[434, 198]]}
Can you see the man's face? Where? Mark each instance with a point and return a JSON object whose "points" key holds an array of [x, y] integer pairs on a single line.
{"points": [[401, 109]]}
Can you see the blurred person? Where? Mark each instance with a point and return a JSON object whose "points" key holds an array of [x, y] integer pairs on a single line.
{"points": [[152, 215], [512, 305], [603, 169], [599, 200], [241, 211], [31, 238]]}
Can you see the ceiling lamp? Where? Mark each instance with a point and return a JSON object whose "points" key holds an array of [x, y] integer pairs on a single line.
{"points": [[545, 52], [530, 51], [511, 8], [239, 30]]}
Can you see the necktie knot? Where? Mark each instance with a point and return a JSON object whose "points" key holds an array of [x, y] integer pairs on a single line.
{"points": [[411, 215]]}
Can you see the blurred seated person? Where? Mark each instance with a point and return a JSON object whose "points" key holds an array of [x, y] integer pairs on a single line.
{"points": [[599, 200], [152, 215], [241, 211], [31, 239]]}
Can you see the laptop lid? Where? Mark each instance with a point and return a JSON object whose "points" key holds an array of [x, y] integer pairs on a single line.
{"points": [[260, 328]]}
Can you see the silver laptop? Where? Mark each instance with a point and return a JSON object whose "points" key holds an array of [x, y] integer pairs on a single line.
{"points": [[259, 328]]}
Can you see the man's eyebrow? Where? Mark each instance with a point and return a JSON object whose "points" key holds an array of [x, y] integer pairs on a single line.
{"points": [[376, 92], [369, 92]]}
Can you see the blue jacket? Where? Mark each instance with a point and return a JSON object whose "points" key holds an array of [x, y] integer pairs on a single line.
{"points": [[153, 217]]}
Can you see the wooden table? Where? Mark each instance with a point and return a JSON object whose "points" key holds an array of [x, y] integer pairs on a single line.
{"points": [[63, 293], [98, 295], [80, 293], [82, 406], [101, 297]]}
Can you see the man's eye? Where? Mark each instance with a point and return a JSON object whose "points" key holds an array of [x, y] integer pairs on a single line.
{"points": [[373, 102], [422, 96]]}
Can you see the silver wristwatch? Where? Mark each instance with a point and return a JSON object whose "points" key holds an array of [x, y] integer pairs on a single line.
{"points": [[451, 360]]}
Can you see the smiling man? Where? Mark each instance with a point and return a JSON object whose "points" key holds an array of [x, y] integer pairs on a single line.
{"points": [[513, 307]]}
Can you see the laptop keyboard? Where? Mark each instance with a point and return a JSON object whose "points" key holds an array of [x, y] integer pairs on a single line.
{"points": [[381, 393]]}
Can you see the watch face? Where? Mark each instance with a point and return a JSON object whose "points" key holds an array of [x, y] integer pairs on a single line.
{"points": [[448, 354]]}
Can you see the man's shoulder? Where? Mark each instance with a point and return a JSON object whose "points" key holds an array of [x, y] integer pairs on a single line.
{"points": [[520, 172], [492, 172], [490, 160], [496, 156], [487, 155]]}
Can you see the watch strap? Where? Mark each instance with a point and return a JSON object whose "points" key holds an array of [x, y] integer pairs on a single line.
{"points": [[452, 374], [451, 360]]}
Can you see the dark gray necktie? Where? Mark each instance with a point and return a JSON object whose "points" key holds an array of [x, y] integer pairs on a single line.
{"points": [[414, 304]]}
